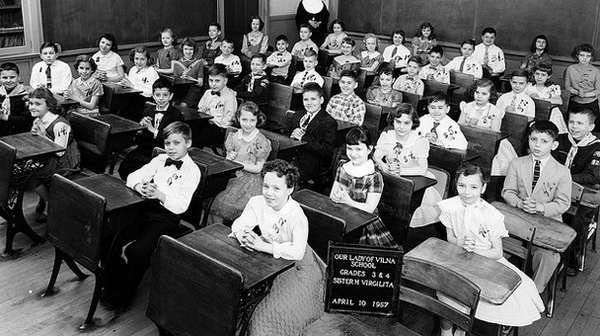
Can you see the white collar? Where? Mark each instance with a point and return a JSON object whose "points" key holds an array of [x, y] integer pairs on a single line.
{"points": [[313, 6], [249, 137], [542, 162], [364, 169], [48, 118]]}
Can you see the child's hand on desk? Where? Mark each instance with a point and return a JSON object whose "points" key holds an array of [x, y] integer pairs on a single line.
{"points": [[37, 129], [151, 191], [231, 155], [297, 134], [340, 196], [255, 242], [469, 244], [432, 137], [529, 205]]}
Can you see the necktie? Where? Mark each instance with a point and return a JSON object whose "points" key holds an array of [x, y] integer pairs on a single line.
{"points": [[486, 55], [304, 78], [536, 174], [157, 119], [48, 77], [462, 64], [394, 52], [305, 122], [436, 124], [176, 163]]}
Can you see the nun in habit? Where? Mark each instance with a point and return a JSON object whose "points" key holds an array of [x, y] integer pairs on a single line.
{"points": [[315, 14]]}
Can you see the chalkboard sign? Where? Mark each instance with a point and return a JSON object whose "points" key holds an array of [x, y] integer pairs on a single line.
{"points": [[362, 279]]}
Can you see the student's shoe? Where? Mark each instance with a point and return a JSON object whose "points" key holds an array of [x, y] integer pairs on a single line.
{"points": [[571, 271]]}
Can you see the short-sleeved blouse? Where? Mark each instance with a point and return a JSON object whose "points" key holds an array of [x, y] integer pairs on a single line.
{"points": [[253, 150], [487, 116], [108, 63], [359, 187], [406, 153]]}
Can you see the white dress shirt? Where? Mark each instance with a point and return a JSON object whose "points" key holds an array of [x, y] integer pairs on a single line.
{"points": [[60, 74]]}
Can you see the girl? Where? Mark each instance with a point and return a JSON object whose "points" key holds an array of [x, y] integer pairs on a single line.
{"points": [[249, 147], [411, 82], [168, 53], [109, 63], [370, 58], [255, 42], [295, 298], [141, 75], [539, 54], [212, 47], [401, 151], [424, 41], [383, 94], [48, 124], [543, 89], [358, 184], [333, 41], [478, 227], [50, 73], [189, 67], [345, 61], [582, 81], [85, 90]]}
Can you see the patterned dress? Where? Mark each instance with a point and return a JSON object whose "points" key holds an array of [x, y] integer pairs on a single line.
{"points": [[358, 187], [390, 98], [231, 201], [367, 59], [86, 89]]}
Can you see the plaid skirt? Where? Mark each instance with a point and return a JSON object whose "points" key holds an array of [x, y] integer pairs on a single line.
{"points": [[377, 234]]}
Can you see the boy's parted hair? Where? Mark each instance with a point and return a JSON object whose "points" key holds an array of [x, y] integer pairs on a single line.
{"points": [[349, 73], [282, 37], [305, 25], [469, 41], [217, 69], [584, 110], [251, 107], [415, 59], [56, 46], [141, 50], [519, 73], [10, 66], [178, 127], [349, 41], [313, 87], [45, 94], [386, 69], [282, 168], [162, 83], [87, 59], [468, 169], [261, 57], [437, 97], [357, 135], [437, 49], [310, 53], [399, 32], [189, 42], [403, 108], [490, 30], [544, 126]]}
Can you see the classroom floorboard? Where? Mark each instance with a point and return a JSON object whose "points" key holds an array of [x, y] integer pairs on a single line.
{"points": [[24, 313]]}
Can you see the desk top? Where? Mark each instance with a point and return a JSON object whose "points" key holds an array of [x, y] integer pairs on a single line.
{"points": [[256, 267], [421, 182], [120, 89], [190, 114], [178, 80], [29, 146], [285, 142], [497, 281], [119, 124], [114, 190], [549, 233], [352, 217], [215, 164], [344, 125]]}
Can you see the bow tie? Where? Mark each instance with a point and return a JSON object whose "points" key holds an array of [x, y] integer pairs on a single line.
{"points": [[279, 54], [215, 93], [176, 163]]}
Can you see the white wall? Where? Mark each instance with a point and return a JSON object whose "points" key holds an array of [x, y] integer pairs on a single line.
{"points": [[286, 7]]}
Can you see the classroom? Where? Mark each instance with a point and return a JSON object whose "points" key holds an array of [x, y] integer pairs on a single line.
{"points": [[299, 167]]}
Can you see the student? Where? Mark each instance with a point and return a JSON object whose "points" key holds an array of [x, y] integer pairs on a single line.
{"points": [[490, 56], [309, 74], [51, 73], [305, 43], [411, 82], [232, 62], [543, 89], [537, 183], [424, 41], [192, 68], [435, 70], [345, 61], [167, 53], [370, 58], [315, 127], [579, 150], [50, 125], [251, 148], [155, 119], [359, 185], [221, 103], [167, 183], [475, 225], [255, 42], [401, 151], [438, 127], [141, 75], [14, 114], [109, 63], [212, 47], [517, 101], [347, 105], [280, 61], [582, 81], [295, 299], [466, 63], [333, 41], [539, 54], [396, 54], [254, 86], [382, 94], [86, 90]]}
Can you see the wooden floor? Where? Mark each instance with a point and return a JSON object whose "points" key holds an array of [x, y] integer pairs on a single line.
{"points": [[24, 313]]}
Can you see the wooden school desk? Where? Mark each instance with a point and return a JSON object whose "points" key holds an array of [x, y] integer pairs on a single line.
{"points": [[288, 147], [180, 85], [114, 93], [33, 153], [342, 128], [196, 119], [258, 269], [122, 135], [497, 281]]}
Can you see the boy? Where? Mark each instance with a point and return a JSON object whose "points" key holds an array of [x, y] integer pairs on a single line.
{"points": [[383, 94], [167, 183], [254, 85], [309, 74], [232, 62], [345, 61], [579, 150], [280, 61], [212, 47], [155, 119], [14, 115], [517, 101], [315, 127], [434, 70], [347, 106], [490, 56], [396, 55], [466, 63], [305, 43], [411, 82], [537, 183], [438, 128]]}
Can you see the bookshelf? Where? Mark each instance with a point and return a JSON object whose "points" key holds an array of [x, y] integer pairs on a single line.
{"points": [[12, 31]]}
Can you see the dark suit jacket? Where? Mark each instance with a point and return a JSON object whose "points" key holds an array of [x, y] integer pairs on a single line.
{"points": [[146, 141]]}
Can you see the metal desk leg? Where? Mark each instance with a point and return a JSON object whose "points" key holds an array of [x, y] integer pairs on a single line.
{"points": [[248, 304]]}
